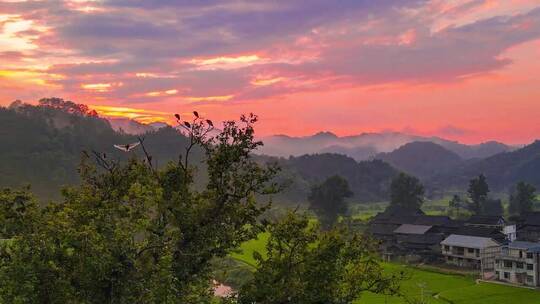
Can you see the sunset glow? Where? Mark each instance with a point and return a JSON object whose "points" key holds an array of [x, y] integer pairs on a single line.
{"points": [[467, 70]]}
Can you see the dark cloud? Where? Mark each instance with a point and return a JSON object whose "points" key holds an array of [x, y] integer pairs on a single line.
{"points": [[125, 37]]}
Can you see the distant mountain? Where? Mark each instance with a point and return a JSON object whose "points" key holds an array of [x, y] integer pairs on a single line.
{"points": [[367, 145], [502, 170], [422, 159], [130, 126], [482, 150]]}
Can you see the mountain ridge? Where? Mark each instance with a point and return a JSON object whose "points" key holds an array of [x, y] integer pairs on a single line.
{"points": [[384, 142]]}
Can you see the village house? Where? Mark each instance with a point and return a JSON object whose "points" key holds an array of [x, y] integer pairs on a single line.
{"points": [[410, 233], [493, 222], [472, 252], [518, 263], [529, 227]]}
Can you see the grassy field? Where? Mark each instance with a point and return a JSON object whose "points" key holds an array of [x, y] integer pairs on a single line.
{"points": [[431, 286]]}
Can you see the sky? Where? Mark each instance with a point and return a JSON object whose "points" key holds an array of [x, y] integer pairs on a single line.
{"points": [[467, 70]]}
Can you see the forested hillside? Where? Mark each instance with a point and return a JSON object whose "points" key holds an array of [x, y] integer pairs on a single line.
{"points": [[503, 170], [368, 180], [422, 159], [42, 145]]}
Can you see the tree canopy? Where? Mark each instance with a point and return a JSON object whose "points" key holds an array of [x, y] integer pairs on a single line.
{"points": [[305, 266], [478, 193], [406, 191], [522, 198], [327, 200]]}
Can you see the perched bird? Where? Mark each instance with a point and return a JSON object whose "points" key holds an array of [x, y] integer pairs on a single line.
{"points": [[177, 116], [196, 114], [128, 147], [209, 122]]}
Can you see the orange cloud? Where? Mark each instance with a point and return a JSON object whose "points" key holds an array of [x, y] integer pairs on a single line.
{"points": [[210, 98], [140, 115], [100, 87], [225, 62]]}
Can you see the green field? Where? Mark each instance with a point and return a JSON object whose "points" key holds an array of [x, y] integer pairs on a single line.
{"points": [[436, 287]]}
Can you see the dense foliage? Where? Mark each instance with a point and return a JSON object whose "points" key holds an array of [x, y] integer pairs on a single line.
{"points": [[478, 193], [368, 180], [132, 233], [305, 266], [406, 191], [327, 200], [522, 199]]}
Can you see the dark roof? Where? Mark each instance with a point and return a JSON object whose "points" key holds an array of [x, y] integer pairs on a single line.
{"points": [[412, 229], [493, 233], [532, 219], [382, 229], [433, 220], [427, 239], [529, 246], [485, 220]]}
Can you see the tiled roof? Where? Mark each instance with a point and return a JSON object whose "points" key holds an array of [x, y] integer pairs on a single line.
{"points": [[412, 229], [468, 241], [485, 220], [529, 246]]}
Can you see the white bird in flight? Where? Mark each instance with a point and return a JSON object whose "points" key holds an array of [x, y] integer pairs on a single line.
{"points": [[128, 147]]}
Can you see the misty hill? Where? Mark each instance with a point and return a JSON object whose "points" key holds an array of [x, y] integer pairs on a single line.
{"points": [[130, 126], [369, 180], [367, 145], [422, 159], [503, 170]]}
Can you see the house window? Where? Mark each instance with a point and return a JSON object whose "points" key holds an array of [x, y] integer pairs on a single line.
{"points": [[530, 267], [519, 265], [450, 258], [507, 275], [497, 274], [470, 250], [508, 264], [460, 250], [477, 253], [530, 279], [521, 254], [529, 255], [446, 247]]}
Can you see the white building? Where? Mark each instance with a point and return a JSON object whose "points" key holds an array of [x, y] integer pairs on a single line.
{"points": [[471, 252], [519, 263]]}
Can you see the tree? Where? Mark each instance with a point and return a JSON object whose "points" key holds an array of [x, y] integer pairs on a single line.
{"points": [[522, 199], [455, 203], [132, 233], [304, 265], [478, 193], [406, 191], [327, 200]]}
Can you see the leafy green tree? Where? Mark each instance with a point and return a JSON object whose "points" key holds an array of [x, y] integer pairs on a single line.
{"points": [[305, 265], [131, 233], [327, 200], [522, 199], [478, 193], [406, 191]]}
